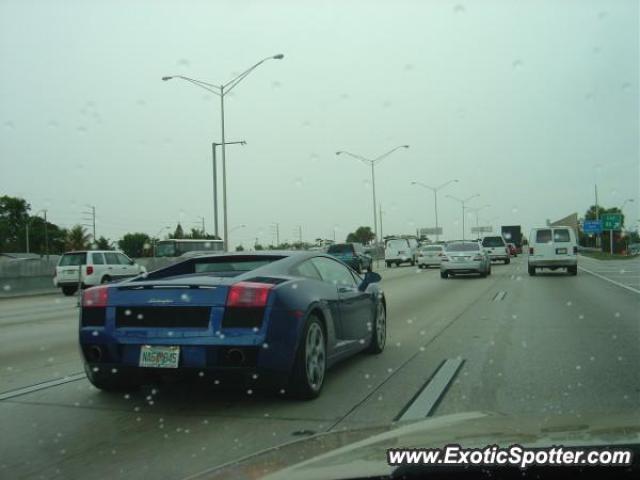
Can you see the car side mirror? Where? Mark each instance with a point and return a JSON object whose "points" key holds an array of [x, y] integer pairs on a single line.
{"points": [[369, 278], [132, 262]]}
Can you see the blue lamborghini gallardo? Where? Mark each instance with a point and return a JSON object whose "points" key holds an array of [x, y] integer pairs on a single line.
{"points": [[276, 319]]}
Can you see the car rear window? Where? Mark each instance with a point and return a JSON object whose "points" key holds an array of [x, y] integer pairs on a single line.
{"points": [[463, 247], [561, 235], [431, 249], [340, 248], [492, 242], [397, 244], [543, 236], [73, 259]]}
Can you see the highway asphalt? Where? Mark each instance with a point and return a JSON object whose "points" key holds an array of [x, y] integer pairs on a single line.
{"points": [[546, 345]]}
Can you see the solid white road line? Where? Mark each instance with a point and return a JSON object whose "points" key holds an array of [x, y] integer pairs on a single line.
{"points": [[606, 279]]}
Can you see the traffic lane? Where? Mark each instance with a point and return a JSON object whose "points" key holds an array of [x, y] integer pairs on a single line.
{"points": [[38, 340], [626, 272], [555, 344], [442, 311], [247, 421]]}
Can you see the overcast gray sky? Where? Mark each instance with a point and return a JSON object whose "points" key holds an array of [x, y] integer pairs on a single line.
{"points": [[526, 103]]}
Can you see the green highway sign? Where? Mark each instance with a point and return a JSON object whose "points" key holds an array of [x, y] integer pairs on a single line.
{"points": [[611, 221]]}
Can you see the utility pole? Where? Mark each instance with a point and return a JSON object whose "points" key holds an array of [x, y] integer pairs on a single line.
{"points": [[46, 236], [599, 235], [92, 220]]}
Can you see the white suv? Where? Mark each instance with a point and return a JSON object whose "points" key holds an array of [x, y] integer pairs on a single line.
{"points": [[497, 248], [553, 247], [96, 267]]}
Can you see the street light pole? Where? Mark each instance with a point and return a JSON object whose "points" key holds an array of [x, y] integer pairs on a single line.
{"points": [[463, 202], [214, 146], [477, 210], [435, 197], [221, 91], [372, 163]]}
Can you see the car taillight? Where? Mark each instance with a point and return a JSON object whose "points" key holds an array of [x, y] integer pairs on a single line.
{"points": [[89, 269], [96, 296], [445, 258], [530, 250], [249, 294]]}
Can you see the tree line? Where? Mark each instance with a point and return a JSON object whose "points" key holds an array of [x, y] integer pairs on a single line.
{"points": [[16, 222]]}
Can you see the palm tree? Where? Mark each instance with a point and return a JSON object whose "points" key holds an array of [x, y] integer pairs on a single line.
{"points": [[77, 238]]}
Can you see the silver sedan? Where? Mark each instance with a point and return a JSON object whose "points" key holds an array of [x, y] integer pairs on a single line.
{"points": [[464, 257]]}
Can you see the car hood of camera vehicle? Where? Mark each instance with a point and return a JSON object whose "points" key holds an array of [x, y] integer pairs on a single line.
{"points": [[362, 452]]}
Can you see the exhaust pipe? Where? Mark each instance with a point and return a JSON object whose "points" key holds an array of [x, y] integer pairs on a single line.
{"points": [[94, 353], [235, 356]]}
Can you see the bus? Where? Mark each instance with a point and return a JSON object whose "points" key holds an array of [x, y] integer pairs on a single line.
{"points": [[175, 247]]}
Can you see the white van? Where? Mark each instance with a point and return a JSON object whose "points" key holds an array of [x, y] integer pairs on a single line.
{"points": [[400, 250], [96, 267], [553, 248]]}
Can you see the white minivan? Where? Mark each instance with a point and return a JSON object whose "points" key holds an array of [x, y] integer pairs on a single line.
{"points": [[400, 250], [96, 267], [553, 248]]}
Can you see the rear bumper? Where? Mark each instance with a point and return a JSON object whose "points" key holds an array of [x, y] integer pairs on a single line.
{"points": [[214, 377], [502, 256], [429, 261], [556, 262], [462, 267]]}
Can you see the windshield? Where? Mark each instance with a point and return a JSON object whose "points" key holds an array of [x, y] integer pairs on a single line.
{"points": [[301, 211], [342, 248]]}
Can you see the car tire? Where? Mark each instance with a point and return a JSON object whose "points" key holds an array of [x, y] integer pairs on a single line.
{"points": [[532, 271], [110, 382], [572, 270], [489, 270], [379, 331], [507, 261], [68, 291], [397, 264], [105, 279], [444, 275], [388, 264], [312, 345], [483, 274], [413, 263]]}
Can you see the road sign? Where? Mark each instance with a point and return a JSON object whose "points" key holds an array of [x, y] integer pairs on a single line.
{"points": [[612, 221], [592, 226], [430, 231], [481, 229]]}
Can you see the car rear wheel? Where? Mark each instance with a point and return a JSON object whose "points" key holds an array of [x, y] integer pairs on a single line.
{"points": [[483, 274], [68, 291], [388, 264], [444, 275], [311, 361], [507, 261], [109, 382], [379, 332], [572, 270], [532, 271]]}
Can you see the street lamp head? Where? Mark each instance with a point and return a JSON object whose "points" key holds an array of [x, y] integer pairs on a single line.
{"points": [[164, 79], [279, 56], [339, 152], [404, 146]]}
